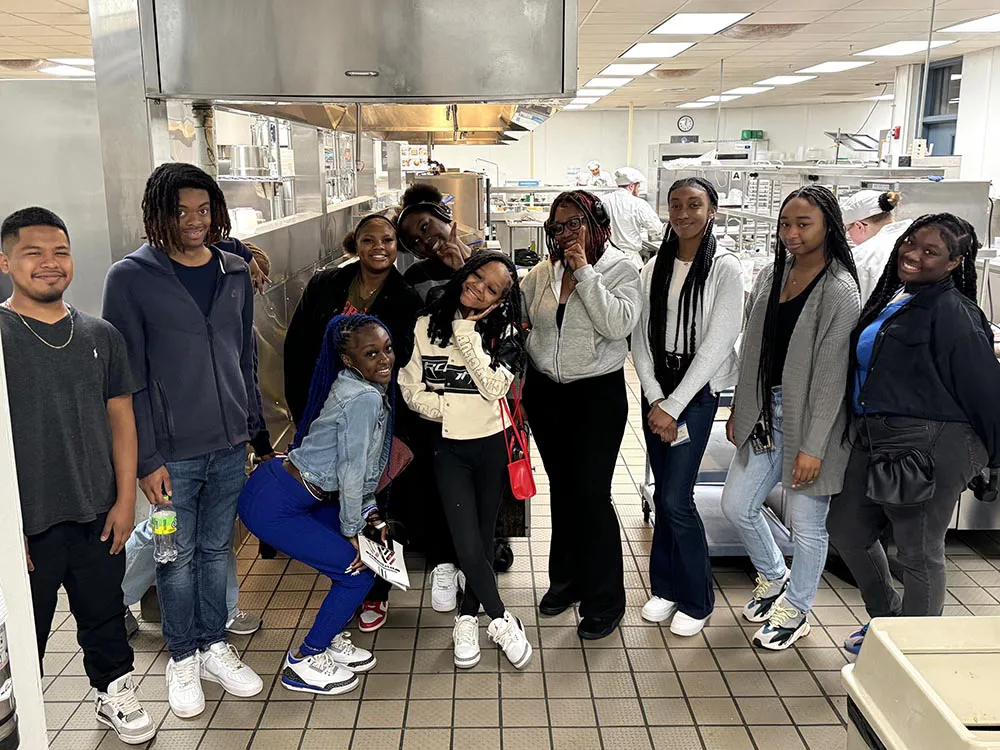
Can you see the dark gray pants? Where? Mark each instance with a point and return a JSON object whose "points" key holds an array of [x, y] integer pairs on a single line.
{"points": [[856, 522]]}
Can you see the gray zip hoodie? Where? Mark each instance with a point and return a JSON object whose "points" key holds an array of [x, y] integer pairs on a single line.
{"points": [[600, 314]]}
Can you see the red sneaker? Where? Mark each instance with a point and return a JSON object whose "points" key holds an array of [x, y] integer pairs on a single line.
{"points": [[373, 616]]}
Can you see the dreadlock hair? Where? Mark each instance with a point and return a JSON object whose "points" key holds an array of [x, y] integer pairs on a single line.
{"points": [[836, 249], [693, 290], [594, 214], [503, 339], [160, 205], [336, 340]]}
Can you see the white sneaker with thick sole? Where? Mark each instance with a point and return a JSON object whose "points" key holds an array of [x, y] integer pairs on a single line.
{"points": [[508, 633], [466, 638], [686, 626], [318, 674], [444, 588], [184, 691], [120, 710], [658, 609], [765, 596], [349, 656], [222, 664], [786, 626]]}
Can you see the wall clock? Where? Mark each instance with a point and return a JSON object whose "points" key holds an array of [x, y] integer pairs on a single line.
{"points": [[685, 123]]}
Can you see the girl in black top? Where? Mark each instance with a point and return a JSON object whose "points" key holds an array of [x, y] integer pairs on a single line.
{"points": [[922, 395]]}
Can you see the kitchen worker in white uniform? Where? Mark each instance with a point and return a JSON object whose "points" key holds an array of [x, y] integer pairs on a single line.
{"points": [[632, 218], [871, 224], [595, 176]]}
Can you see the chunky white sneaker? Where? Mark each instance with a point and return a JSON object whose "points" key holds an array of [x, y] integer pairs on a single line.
{"points": [[184, 687], [222, 664], [765, 594], [120, 710], [466, 638], [508, 633], [245, 623], [686, 626], [444, 588], [349, 656], [318, 674], [658, 609], [785, 627]]}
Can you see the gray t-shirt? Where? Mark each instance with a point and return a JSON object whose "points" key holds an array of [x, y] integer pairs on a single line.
{"points": [[58, 411]]}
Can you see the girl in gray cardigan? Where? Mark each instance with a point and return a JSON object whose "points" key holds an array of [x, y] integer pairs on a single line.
{"points": [[788, 416]]}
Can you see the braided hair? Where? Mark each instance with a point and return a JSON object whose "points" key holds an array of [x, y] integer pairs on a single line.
{"points": [[693, 290], [596, 218], [836, 249], [336, 340], [501, 330], [161, 205]]}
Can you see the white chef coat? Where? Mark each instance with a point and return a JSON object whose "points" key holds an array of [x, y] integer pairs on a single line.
{"points": [[871, 256], [588, 179], [630, 218]]}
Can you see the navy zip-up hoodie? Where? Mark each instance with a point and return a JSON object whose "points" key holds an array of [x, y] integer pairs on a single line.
{"points": [[199, 390]]}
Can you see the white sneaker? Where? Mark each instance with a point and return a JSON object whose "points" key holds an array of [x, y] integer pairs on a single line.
{"points": [[460, 582], [222, 664], [120, 710], [318, 674], [785, 627], [686, 626], [658, 609], [765, 595], [508, 633], [466, 638], [444, 589], [350, 657], [184, 687]]}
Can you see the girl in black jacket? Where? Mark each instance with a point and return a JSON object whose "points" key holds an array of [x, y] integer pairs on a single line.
{"points": [[926, 420]]}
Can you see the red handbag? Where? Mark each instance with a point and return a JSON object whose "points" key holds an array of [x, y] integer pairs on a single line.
{"points": [[522, 478]]}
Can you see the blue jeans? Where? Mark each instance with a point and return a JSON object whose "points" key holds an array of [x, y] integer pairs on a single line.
{"points": [[751, 478], [192, 589], [679, 566], [280, 511], [140, 569]]}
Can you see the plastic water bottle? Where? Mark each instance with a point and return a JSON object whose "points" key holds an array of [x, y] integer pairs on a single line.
{"points": [[164, 523]]}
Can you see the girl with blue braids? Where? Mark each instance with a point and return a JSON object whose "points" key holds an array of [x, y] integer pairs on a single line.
{"points": [[313, 505]]}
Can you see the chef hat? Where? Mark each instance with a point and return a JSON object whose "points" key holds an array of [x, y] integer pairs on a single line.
{"points": [[593, 164], [861, 205], [627, 176]]}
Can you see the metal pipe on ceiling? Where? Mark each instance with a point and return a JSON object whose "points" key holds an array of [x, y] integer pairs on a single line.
{"points": [[919, 133]]}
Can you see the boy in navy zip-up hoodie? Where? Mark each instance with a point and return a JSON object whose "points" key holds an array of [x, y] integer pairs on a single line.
{"points": [[186, 312]]}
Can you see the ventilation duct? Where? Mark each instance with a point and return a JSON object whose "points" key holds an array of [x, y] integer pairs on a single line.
{"points": [[759, 32]]}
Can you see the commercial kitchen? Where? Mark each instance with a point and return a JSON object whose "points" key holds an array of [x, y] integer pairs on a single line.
{"points": [[311, 114]]}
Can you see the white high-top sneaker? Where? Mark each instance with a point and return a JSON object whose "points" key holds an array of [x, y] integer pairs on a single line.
{"points": [[120, 710], [349, 656], [466, 638], [444, 588], [508, 633], [318, 674]]}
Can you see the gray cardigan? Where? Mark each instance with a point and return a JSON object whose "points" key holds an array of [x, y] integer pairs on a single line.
{"points": [[814, 379]]}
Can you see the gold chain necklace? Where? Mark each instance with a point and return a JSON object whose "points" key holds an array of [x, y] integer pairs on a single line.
{"points": [[72, 326]]}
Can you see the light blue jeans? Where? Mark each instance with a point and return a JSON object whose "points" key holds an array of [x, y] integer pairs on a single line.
{"points": [[751, 478]]}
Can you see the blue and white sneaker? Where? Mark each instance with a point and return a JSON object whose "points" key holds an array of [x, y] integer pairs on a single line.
{"points": [[765, 594], [785, 627], [319, 674], [852, 644]]}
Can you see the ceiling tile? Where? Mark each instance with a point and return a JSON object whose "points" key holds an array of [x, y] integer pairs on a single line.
{"points": [[34, 6], [58, 19]]}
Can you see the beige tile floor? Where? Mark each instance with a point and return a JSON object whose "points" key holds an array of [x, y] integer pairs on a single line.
{"points": [[641, 688]]}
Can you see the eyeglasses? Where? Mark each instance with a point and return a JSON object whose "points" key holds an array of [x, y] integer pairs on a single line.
{"points": [[555, 228]]}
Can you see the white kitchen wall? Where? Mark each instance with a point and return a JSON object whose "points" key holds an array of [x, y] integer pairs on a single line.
{"points": [[978, 116], [573, 138]]}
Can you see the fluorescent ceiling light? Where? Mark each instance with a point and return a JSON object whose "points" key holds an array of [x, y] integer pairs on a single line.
{"points": [[880, 98], [586, 100], [699, 23], [575, 106], [627, 69], [784, 80], [749, 90], [67, 71], [611, 83], [956, 76], [836, 67], [898, 49], [694, 105], [984, 25], [716, 99], [594, 92], [656, 50], [88, 61]]}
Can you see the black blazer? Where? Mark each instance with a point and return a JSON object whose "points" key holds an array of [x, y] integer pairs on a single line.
{"points": [[397, 305], [934, 360]]}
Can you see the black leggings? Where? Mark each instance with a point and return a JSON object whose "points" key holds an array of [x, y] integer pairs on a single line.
{"points": [[471, 475]]}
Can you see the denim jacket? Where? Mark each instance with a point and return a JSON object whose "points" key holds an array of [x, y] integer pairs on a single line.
{"points": [[347, 448]]}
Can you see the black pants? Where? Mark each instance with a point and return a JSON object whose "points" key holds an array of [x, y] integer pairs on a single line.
{"points": [[856, 521], [471, 475], [72, 555], [578, 428], [425, 518]]}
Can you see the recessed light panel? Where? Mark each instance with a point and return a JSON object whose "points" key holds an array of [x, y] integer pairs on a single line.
{"points": [[87, 61], [717, 99], [594, 92], [836, 67], [694, 105], [575, 106], [67, 71], [656, 50], [585, 100], [699, 23], [880, 98], [986, 25], [611, 83], [627, 69], [899, 49], [749, 90], [784, 80]]}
